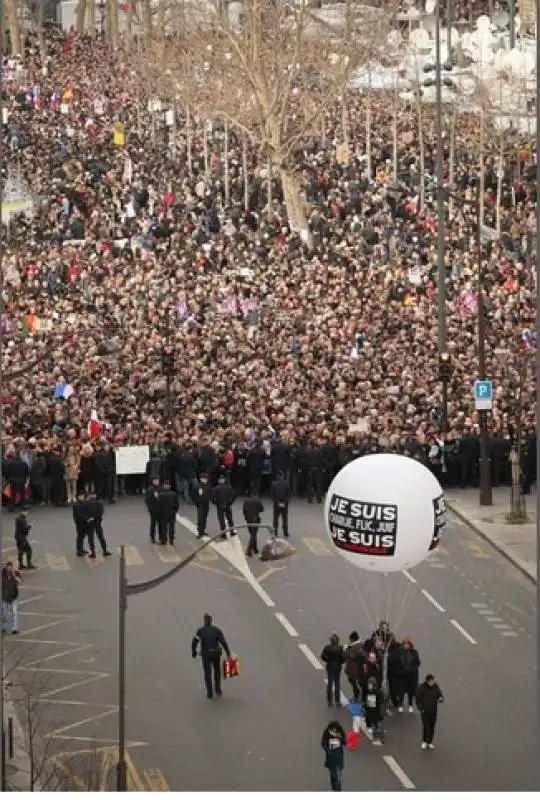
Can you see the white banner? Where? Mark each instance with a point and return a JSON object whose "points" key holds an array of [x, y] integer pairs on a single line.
{"points": [[132, 460]]}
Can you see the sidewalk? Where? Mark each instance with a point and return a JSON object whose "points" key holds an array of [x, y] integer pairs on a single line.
{"points": [[17, 767], [517, 543]]}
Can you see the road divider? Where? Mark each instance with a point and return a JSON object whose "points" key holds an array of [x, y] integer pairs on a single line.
{"points": [[400, 774], [311, 657], [429, 597], [286, 624], [463, 632], [408, 576]]}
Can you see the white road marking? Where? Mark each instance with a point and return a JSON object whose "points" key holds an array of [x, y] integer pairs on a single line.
{"points": [[286, 624], [485, 611], [502, 626], [479, 605], [508, 633], [166, 553], [187, 523], [433, 602], [409, 576], [493, 619], [463, 632], [133, 557], [316, 545], [310, 655], [402, 777], [56, 562]]}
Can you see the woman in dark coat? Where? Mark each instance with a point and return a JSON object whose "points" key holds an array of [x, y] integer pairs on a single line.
{"points": [[408, 665], [86, 469], [333, 743]]}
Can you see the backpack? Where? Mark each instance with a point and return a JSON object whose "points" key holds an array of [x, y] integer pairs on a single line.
{"points": [[228, 458]]}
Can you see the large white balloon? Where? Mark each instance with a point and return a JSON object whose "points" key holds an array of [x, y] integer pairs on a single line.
{"points": [[385, 512]]}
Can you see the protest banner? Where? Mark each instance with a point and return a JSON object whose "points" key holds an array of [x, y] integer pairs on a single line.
{"points": [[132, 460]]}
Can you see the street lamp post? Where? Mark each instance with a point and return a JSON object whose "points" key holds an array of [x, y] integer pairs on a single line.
{"points": [[126, 590], [486, 498]]}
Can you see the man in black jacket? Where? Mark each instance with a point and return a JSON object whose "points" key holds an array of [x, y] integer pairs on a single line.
{"points": [[94, 512], [252, 509], [22, 531], [104, 464], [315, 473], [201, 498], [212, 643], [428, 697], [79, 518], [56, 471], [152, 500], [168, 505], [281, 494], [223, 497], [16, 474], [186, 472]]}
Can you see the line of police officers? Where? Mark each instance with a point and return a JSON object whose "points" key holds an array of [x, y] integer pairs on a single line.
{"points": [[88, 512], [162, 503]]}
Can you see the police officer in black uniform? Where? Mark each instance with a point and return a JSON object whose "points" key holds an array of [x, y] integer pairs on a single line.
{"points": [[212, 643], [201, 498], [253, 508], [152, 501], [281, 494], [22, 531], [168, 504], [315, 473], [223, 497], [79, 518], [94, 512]]}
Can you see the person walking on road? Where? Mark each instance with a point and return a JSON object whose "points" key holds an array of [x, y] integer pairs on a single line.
{"points": [[252, 509], [24, 548], [212, 642], [428, 697], [373, 705], [11, 580], [281, 494], [152, 501], [354, 663], [168, 505], [334, 658], [201, 496], [94, 512], [333, 743], [223, 497], [407, 666]]}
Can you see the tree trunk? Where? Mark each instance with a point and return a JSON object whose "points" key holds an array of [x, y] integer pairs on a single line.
{"points": [[146, 12], [295, 208], [91, 17], [80, 16], [14, 26]]}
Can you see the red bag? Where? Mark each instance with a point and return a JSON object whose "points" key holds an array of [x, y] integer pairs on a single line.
{"points": [[353, 740], [231, 667]]}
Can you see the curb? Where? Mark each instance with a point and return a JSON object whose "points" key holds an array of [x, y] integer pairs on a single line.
{"points": [[516, 561]]}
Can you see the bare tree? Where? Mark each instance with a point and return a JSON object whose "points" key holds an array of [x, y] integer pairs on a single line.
{"points": [[271, 71]]}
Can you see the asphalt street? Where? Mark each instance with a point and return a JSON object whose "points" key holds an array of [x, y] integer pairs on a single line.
{"points": [[471, 615]]}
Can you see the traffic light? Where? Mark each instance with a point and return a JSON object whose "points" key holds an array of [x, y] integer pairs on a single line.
{"points": [[445, 367], [167, 361]]}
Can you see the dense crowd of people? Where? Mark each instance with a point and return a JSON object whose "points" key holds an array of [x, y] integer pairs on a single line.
{"points": [[330, 351]]}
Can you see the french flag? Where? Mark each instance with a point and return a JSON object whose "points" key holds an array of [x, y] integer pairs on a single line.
{"points": [[63, 391], [94, 426]]}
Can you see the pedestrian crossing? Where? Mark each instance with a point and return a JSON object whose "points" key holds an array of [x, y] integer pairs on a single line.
{"points": [[493, 618], [139, 555]]}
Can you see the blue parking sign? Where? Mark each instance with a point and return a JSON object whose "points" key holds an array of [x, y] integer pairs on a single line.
{"points": [[483, 395]]}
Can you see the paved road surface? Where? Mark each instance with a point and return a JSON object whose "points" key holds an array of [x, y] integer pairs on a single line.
{"points": [[471, 615]]}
